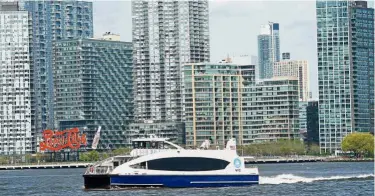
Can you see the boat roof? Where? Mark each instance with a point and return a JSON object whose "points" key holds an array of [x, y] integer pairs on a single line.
{"points": [[150, 138]]}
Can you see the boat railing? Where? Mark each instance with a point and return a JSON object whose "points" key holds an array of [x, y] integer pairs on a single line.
{"points": [[142, 152], [98, 170]]}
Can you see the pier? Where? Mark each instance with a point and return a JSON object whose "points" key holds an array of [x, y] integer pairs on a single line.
{"points": [[44, 166], [264, 160]]}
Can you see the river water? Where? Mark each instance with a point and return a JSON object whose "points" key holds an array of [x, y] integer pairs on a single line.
{"points": [[321, 179]]}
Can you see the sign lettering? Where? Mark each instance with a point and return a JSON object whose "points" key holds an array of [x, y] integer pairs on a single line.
{"points": [[59, 140]]}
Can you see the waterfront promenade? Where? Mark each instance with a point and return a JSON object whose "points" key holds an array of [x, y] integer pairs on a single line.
{"points": [[248, 160], [57, 165], [296, 159]]}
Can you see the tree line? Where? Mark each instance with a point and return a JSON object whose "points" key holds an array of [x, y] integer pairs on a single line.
{"points": [[279, 148]]}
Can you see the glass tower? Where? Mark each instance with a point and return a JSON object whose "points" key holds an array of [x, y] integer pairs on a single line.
{"points": [[93, 87], [51, 21], [16, 126], [166, 35], [268, 49], [345, 70]]}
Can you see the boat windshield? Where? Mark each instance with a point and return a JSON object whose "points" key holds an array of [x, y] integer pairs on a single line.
{"points": [[149, 145]]}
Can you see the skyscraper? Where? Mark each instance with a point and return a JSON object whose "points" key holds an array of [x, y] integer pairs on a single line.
{"points": [[51, 21], [16, 126], [268, 49], [93, 87], [296, 68], [345, 70], [166, 35]]}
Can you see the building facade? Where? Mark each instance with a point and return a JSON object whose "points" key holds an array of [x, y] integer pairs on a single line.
{"points": [[224, 101], [166, 35], [16, 126], [244, 60], [52, 21], [271, 110], [312, 116], [268, 49], [285, 56], [345, 37], [93, 87], [303, 119], [213, 102], [296, 68]]}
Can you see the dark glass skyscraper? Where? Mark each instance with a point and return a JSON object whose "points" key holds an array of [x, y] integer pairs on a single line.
{"points": [[51, 21], [312, 116], [345, 70]]}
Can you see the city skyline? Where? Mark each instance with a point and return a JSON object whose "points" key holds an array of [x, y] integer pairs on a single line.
{"points": [[297, 28], [167, 35]]}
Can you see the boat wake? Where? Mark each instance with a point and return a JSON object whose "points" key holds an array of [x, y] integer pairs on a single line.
{"points": [[290, 178]]}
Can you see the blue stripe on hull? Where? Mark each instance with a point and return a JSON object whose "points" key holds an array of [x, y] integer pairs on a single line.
{"points": [[174, 181]]}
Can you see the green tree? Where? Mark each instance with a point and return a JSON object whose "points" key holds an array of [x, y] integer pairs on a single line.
{"points": [[313, 149], [359, 143], [104, 156], [29, 158], [84, 157], [89, 156], [39, 157], [93, 155], [4, 160], [121, 151]]}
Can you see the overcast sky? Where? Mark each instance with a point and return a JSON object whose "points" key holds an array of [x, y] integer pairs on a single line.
{"points": [[234, 26]]}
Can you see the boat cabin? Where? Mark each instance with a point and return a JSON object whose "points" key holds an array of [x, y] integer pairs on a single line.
{"points": [[153, 142]]}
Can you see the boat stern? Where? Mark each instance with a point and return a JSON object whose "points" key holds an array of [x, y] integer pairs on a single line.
{"points": [[97, 181]]}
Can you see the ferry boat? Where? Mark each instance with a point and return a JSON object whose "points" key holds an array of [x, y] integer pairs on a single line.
{"points": [[156, 162]]}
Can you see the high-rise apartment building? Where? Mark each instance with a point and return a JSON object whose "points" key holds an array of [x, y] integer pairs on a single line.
{"points": [[223, 101], [52, 21], [296, 68], [93, 87], [166, 35], [244, 60], [271, 110], [16, 126], [303, 119], [268, 49], [345, 37], [213, 101]]}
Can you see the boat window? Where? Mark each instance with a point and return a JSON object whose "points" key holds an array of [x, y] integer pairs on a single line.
{"points": [[139, 166], [187, 164], [135, 145]]}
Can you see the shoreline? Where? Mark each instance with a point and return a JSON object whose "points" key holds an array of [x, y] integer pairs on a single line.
{"points": [[302, 160], [67, 165]]}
